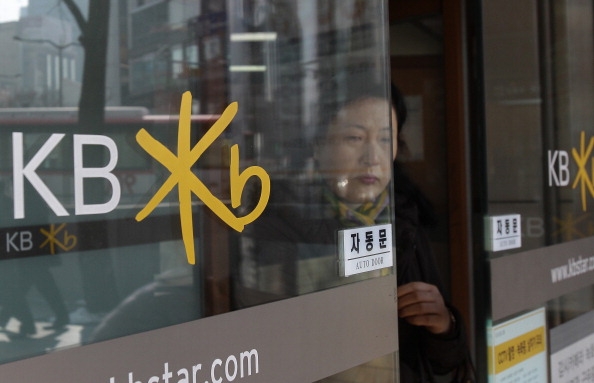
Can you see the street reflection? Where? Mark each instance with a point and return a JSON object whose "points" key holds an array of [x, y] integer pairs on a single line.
{"points": [[14, 347]]}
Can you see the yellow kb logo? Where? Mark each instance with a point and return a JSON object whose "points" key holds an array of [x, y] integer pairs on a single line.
{"points": [[187, 183]]}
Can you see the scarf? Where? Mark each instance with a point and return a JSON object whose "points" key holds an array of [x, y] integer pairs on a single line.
{"points": [[366, 214]]}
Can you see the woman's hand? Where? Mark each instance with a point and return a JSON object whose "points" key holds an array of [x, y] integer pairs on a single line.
{"points": [[421, 304]]}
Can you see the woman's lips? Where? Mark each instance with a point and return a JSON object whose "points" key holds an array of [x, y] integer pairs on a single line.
{"points": [[368, 179]]}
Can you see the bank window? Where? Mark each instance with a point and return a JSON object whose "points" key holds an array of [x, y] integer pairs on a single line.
{"points": [[196, 186]]}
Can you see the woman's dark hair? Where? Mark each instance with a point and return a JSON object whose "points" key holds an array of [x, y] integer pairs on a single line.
{"points": [[349, 92], [399, 105], [403, 185]]}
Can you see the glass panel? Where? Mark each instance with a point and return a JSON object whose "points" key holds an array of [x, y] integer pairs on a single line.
{"points": [[571, 175], [514, 109], [184, 159], [539, 129]]}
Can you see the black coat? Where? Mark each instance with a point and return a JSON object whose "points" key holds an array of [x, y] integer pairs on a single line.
{"points": [[422, 354], [297, 214]]}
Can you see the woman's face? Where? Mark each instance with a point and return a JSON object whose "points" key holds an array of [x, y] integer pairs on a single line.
{"points": [[356, 156]]}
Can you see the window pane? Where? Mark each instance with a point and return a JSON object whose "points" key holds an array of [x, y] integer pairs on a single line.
{"points": [[182, 163]]}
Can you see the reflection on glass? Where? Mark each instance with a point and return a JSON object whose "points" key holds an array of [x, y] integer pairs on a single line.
{"points": [[77, 267]]}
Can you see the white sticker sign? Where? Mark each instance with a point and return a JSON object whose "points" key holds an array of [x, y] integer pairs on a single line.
{"points": [[365, 249], [503, 232], [572, 350], [518, 349], [574, 363]]}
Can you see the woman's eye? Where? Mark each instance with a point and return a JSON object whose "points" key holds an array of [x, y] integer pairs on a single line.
{"points": [[353, 138]]}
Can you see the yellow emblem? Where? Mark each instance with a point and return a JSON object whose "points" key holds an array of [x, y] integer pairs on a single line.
{"points": [[187, 183]]}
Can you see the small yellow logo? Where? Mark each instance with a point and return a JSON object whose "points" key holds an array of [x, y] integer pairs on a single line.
{"points": [[187, 183], [583, 158], [67, 242]]}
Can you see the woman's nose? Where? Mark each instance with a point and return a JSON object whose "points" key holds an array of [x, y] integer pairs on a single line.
{"points": [[371, 153]]}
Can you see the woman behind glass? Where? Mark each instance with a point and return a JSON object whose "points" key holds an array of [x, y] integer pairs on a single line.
{"points": [[291, 249]]}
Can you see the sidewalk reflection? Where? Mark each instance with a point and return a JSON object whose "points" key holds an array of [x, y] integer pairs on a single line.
{"points": [[14, 346]]}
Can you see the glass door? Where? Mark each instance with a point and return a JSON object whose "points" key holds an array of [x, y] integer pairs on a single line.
{"points": [[538, 173], [179, 201]]}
